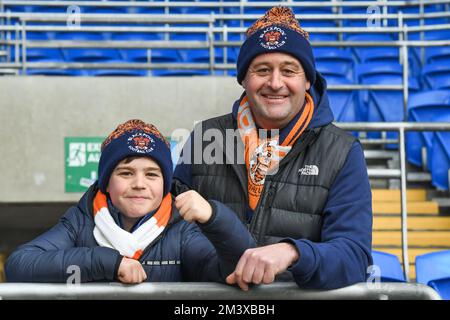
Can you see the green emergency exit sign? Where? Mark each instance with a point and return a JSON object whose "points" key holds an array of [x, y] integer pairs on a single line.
{"points": [[82, 155]]}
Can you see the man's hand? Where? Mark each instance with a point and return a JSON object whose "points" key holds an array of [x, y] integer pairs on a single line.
{"points": [[193, 207], [261, 265], [131, 271]]}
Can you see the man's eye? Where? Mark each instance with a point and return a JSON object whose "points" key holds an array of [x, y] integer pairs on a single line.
{"points": [[125, 173], [288, 71], [263, 70]]}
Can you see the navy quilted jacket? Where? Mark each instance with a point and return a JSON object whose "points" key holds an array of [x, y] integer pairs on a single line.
{"points": [[183, 252]]}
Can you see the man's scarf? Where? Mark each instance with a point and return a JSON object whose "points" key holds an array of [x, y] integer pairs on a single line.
{"points": [[131, 245], [262, 154]]}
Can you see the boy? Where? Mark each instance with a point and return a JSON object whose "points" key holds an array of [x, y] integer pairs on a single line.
{"points": [[128, 228]]}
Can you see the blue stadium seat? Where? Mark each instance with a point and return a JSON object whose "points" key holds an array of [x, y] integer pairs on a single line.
{"points": [[341, 59], [118, 73], [316, 36], [136, 55], [440, 159], [179, 73], [203, 56], [146, 10], [104, 10], [195, 10], [383, 106], [437, 55], [165, 56], [433, 269], [436, 76], [342, 102], [86, 54], [427, 106], [390, 268], [366, 54], [18, 8], [39, 54], [53, 72], [49, 9]]}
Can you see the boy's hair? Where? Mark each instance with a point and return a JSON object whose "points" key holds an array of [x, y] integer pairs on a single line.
{"points": [[132, 139]]}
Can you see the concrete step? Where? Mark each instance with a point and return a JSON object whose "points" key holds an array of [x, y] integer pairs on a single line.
{"points": [[414, 222], [387, 195], [419, 207], [415, 238], [2, 268]]}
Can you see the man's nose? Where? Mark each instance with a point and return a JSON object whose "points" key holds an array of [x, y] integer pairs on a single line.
{"points": [[275, 80]]}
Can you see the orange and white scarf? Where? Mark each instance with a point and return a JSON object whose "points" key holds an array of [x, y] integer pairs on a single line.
{"points": [[131, 245], [263, 155]]}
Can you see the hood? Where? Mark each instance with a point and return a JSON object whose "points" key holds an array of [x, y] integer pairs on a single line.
{"points": [[323, 114]]}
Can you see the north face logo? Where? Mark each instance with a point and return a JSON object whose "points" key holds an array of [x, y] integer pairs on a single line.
{"points": [[309, 170]]}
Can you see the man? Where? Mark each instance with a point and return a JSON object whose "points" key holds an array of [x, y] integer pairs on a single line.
{"points": [[304, 191]]}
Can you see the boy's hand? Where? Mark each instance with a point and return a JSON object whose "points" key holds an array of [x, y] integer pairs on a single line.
{"points": [[131, 271], [193, 207]]}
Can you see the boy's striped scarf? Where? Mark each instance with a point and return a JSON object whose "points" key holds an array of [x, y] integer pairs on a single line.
{"points": [[263, 155], [131, 245]]}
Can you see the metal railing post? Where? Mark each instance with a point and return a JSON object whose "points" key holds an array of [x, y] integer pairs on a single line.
{"points": [[24, 47], [403, 193], [400, 34], [405, 74], [225, 49], [422, 49], [211, 46], [16, 44]]}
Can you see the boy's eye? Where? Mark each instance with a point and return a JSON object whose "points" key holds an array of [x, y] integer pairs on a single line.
{"points": [[152, 174], [124, 173]]}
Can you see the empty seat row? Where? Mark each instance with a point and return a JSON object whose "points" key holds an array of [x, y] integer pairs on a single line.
{"points": [[432, 269]]}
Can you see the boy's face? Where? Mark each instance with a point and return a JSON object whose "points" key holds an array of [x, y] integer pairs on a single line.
{"points": [[136, 188]]}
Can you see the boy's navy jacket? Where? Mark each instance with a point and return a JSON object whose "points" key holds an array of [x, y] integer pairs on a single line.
{"points": [[182, 252]]}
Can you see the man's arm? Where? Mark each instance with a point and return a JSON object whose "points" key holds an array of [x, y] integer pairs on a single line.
{"points": [[212, 254], [344, 254]]}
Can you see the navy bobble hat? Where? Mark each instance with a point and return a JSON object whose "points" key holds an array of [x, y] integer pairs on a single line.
{"points": [[277, 31], [134, 138]]}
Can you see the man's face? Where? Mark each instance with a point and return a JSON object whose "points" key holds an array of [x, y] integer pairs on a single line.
{"points": [[275, 85], [136, 188]]}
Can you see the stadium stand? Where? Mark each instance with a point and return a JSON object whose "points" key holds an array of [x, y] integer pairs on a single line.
{"points": [[172, 47], [433, 269], [440, 161], [426, 106]]}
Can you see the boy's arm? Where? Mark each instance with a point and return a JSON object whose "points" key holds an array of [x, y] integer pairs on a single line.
{"points": [[212, 254], [53, 256]]}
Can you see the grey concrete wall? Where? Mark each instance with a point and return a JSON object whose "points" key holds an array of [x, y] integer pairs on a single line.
{"points": [[36, 113]]}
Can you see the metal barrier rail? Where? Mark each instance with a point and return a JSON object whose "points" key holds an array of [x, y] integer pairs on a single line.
{"points": [[110, 4], [214, 291]]}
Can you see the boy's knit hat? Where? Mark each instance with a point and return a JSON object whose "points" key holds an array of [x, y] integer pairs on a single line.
{"points": [[277, 31], [134, 138]]}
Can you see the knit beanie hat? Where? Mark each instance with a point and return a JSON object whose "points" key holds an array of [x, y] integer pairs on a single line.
{"points": [[277, 31], [134, 138]]}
